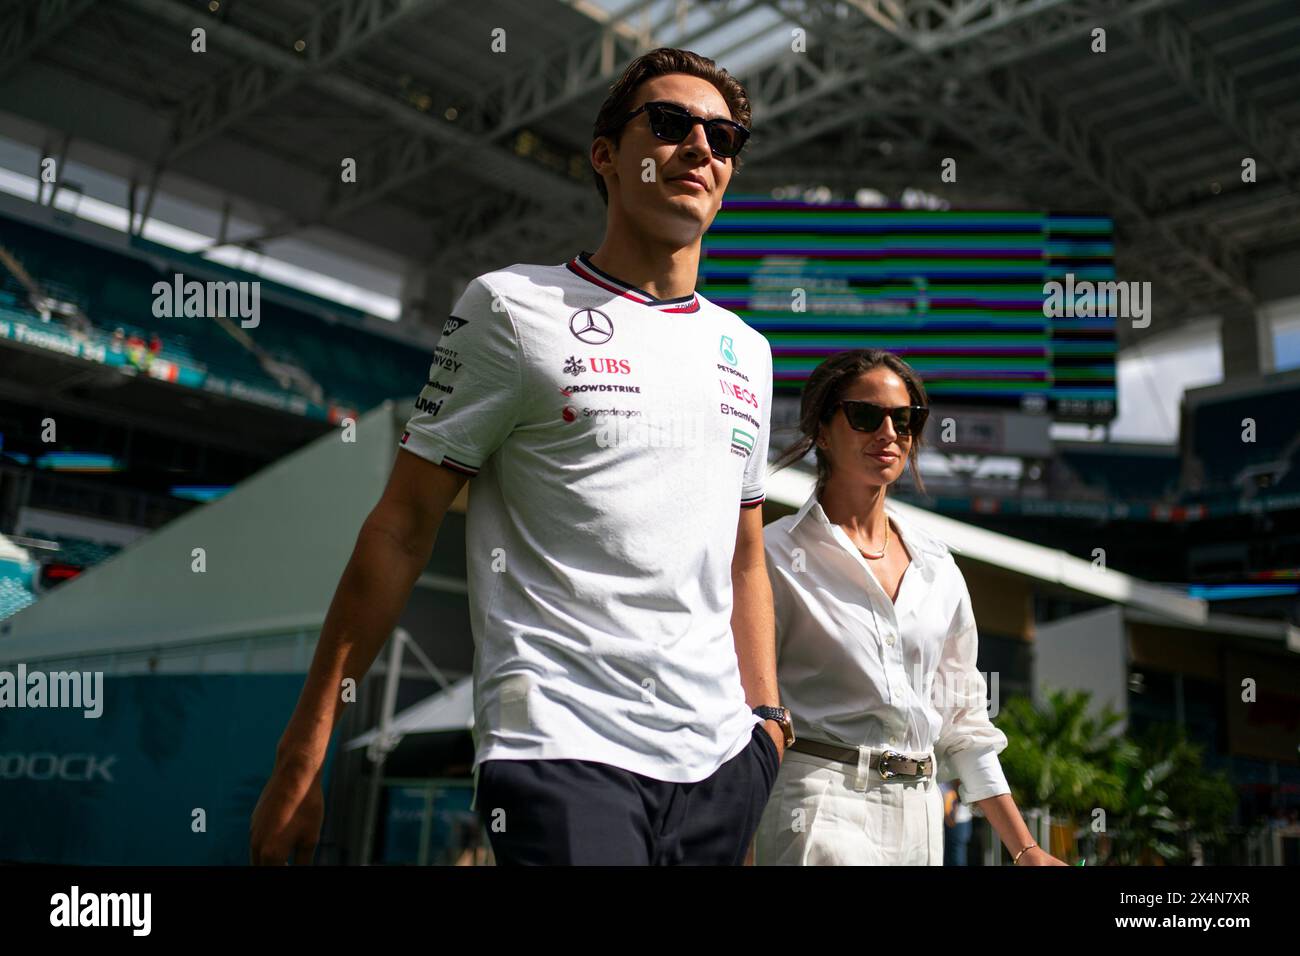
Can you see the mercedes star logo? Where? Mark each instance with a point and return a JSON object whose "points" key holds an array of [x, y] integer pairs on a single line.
{"points": [[591, 326]]}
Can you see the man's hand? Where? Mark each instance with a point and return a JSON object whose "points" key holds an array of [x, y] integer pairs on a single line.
{"points": [[392, 549], [777, 734], [287, 820]]}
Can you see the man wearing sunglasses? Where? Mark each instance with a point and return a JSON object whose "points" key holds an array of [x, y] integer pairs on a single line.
{"points": [[615, 424]]}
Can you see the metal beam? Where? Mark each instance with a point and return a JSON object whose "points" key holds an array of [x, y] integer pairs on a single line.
{"points": [[1019, 103], [28, 28], [491, 227], [490, 162], [856, 59], [1203, 74], [550, 82], [1016, 122], [334, 32], [929, 25]]}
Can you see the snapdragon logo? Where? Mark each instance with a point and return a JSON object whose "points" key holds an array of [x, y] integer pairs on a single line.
{"points": [[1087, 299], [207, 300], [82, 690], [134, 910]]}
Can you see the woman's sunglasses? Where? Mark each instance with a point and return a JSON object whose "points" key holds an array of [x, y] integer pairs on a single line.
{"points": [[673, 123], [868, 416]]}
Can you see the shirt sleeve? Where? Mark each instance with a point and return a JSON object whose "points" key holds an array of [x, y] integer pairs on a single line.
{"points": [[753, 488], [472, 398], [968, 744]]}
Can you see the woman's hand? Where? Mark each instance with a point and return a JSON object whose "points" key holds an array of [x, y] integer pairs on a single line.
{"points": [[1037, 856]]}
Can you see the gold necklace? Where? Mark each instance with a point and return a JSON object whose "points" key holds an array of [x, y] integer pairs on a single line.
{"points": [[883, 548]]}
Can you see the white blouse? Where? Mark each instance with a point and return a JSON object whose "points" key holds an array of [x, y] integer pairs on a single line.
{"points": [[858, 669]]}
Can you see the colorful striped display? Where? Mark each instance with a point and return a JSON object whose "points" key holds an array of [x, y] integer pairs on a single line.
{"points": [[958, 294]]}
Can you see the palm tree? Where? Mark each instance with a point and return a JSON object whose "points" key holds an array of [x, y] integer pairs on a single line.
{"points": [[1168, 796], [1154, 790], [1061, 757]]}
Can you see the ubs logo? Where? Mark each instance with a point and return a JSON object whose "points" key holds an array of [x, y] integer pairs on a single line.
{"points": [[591, 326]]}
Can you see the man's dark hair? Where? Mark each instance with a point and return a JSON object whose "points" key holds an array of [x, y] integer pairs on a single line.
{"points": [[621, 99]]}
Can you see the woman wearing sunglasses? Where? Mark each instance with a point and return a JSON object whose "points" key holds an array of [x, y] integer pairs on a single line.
{"points": [[876, 645]]}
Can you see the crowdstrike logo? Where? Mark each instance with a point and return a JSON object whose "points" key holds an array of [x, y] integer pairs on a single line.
{"points": [[75, 908], [71, 689]]}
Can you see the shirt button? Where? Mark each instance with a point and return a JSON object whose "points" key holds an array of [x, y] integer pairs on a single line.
{"points": [[889, 641], [893, 741]]}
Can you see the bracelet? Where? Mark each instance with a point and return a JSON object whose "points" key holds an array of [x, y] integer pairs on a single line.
{"points": [[1016, 858]]}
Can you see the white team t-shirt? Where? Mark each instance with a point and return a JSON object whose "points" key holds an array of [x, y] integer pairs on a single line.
{"points": [[614, 438]]}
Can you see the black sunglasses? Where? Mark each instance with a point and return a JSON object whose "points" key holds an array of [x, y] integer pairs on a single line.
{"points": [[868, 416], [673, 123]]}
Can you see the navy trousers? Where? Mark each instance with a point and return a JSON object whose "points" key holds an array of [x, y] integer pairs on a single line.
{"points": [[579, 812]]}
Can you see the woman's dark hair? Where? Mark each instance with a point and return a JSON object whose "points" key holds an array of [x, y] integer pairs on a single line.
{"points": [[821, 396], [622, 95]]}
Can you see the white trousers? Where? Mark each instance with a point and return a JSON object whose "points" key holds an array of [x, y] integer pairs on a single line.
{"points": [[823, 812]]}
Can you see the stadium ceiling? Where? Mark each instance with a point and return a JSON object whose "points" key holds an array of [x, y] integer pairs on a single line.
{"points": [[477, 158]]}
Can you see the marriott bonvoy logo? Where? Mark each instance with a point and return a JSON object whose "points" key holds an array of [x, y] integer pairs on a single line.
{"points": [[82, 690]]}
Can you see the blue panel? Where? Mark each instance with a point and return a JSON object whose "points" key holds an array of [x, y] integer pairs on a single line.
{"points": [[122, 788]]}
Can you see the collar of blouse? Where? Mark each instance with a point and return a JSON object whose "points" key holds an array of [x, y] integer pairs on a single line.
{"points": [[926, 550]]}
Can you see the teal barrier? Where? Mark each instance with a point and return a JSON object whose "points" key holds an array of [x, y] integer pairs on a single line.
{"points": [[121, 789]]}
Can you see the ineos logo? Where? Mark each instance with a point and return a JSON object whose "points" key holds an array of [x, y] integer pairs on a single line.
{"points": [[591, 326]]}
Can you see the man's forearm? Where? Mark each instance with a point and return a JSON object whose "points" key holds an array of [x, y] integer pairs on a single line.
{"points": [[753, 627], [372, 591]]}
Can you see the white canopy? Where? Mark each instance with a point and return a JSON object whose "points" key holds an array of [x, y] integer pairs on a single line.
{"points": [[452, 708]]}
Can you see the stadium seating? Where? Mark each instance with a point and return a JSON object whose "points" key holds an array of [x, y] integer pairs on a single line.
{"points": [[115, 290], [79, 551], [1227, 463], [13, 597], [1113, 473]]}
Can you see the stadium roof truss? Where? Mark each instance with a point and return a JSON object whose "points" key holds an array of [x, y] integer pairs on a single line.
{"points": [[472, 160]]}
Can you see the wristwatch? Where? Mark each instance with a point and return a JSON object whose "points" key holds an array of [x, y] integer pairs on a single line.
{"points": [[782, 716]]}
